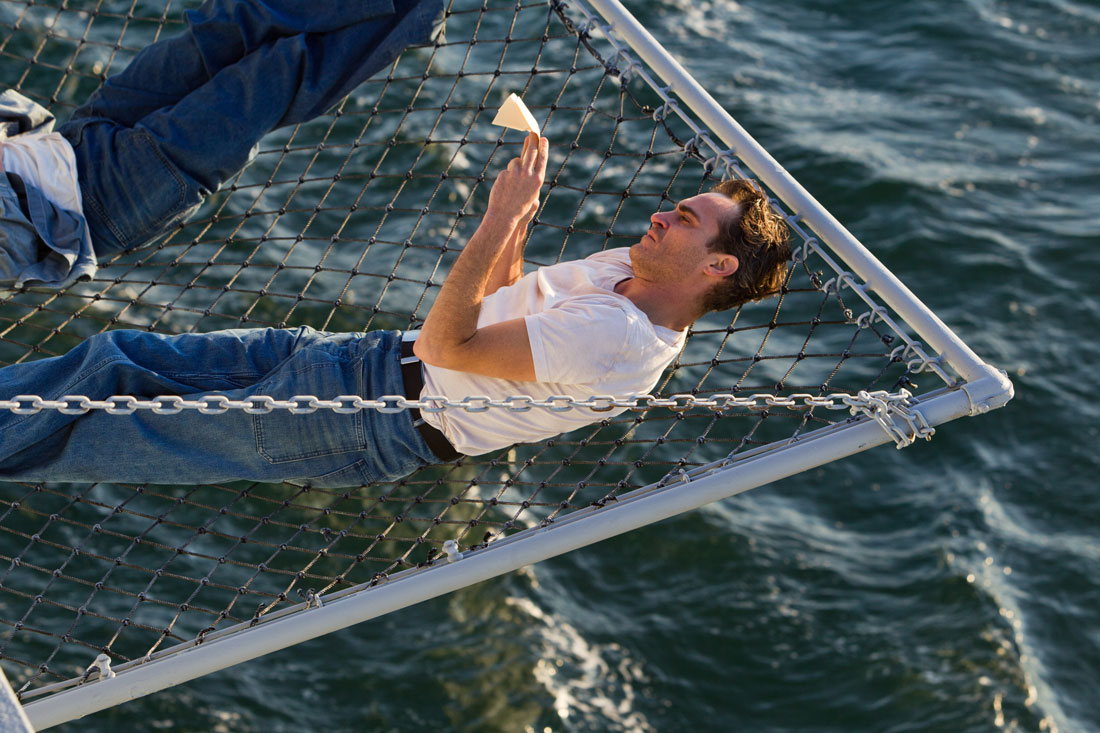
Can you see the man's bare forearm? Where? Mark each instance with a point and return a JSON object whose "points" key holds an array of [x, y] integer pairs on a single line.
{"points": [[453, 318], [509, 266]]}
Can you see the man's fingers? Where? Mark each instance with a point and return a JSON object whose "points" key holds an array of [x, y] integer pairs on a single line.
{"points": [[543, 156], [530, 150], [520, 181]]}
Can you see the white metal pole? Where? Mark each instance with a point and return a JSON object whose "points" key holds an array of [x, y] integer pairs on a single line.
{"points": [[893, 292], [13, 719], [634, 510]]}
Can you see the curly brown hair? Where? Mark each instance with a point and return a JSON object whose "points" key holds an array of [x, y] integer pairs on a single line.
{"points": [[758, 238]]}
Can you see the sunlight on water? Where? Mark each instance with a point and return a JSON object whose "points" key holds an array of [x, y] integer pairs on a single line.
{"points": [[580, 676]]}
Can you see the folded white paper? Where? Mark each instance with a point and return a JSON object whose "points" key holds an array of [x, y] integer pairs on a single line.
{"points": [[514, 115]]}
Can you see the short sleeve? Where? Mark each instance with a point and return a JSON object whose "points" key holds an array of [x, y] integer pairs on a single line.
{"points": [[577, 342]]}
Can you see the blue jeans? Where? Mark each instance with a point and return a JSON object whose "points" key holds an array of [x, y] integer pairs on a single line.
{"points": [[186, 114], [323, 448]]}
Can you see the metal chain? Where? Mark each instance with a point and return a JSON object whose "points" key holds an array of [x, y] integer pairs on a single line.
{"points": [[215, 404], [892, 411]]}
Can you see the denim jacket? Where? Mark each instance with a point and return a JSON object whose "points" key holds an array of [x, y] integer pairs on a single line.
{"points": [[41, 242]]}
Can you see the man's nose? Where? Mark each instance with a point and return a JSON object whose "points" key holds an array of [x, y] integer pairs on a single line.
{"points": [[658, 219]]}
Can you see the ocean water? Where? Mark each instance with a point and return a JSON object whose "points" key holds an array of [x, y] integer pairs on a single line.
{"points": [[948, 587]]}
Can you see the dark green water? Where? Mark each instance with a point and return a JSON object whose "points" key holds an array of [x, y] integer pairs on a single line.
{"points": [[947, 587]]}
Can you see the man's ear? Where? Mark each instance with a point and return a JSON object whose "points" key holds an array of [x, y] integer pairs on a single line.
{"points": [[721, 265]]}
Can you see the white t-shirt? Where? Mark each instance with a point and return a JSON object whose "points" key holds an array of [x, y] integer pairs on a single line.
{"points": [[586, 340], [45, 160]]}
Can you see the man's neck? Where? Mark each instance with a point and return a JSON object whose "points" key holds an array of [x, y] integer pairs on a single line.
{"points": [[661, 306]]}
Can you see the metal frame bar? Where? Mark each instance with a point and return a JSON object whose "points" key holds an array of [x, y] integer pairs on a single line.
{"points": [[986, 388], [13, 719]]}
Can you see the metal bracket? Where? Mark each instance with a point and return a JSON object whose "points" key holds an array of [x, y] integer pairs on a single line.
{"points": [[898, 417]]}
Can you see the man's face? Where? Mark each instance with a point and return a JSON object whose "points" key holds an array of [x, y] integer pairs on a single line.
{"points": [[675, 246]]}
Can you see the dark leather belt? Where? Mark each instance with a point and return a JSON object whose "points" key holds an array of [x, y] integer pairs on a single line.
{"points": [[413, 377]]}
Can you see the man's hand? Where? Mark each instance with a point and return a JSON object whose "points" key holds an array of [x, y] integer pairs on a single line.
{"points": [[515, 193], [516, 186]]}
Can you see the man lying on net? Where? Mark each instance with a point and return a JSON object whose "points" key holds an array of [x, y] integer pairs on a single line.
{"points": [[608, 324], [138, 158]]}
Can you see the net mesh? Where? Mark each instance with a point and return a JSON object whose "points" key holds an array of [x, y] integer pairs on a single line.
{"points": [[350, 222]]}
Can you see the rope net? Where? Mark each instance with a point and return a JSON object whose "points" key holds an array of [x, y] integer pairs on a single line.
{"points": [[351, 222]]}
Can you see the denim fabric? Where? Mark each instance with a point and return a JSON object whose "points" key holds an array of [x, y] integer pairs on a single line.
{"points": [[20, 248], [323, 449], [41, 243], [187, 113]]}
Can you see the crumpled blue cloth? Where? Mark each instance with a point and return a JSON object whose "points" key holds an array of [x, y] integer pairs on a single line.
{"points": [[41, 242]]}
